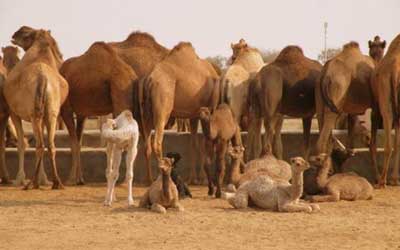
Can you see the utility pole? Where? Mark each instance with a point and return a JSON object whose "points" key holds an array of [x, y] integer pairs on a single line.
{"points": [[325, 39]]}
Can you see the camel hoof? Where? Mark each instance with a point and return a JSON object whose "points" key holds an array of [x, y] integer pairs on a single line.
{"points": [[315, 207], [394, 182], [210, 191], [57, 186], [20, 182], [380, 185], [71, 182], [80, 182], [218, 194], [107, 203], [130, 203], [5, 181], [45, 182]]}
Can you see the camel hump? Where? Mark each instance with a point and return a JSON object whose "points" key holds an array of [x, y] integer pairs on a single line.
{"points": [[289, 54], [140, 38], [40, 95], [182, 46], [351, 45], [100, 45]]}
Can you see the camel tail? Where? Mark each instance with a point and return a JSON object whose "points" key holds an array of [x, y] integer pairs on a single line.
{"points": [[40, 96], [325, 82], [395, 97]]}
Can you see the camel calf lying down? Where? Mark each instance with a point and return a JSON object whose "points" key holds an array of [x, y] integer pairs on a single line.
{"points": [[162, 194], [343, 186], [278, 195], [121, 134], [265, 165]]}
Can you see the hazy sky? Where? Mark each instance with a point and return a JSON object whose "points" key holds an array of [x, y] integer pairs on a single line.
{"points": [[211, 25]]}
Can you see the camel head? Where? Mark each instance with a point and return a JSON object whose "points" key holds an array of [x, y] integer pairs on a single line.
{"points": [[298, 164], [237, 49], [376, 48], [24, 37], [204, 114], [109, 124], [11, 57], [318, 160], [174, 155], [236, 152], [165, 165]]}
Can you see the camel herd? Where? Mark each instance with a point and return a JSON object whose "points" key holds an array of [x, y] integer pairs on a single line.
{"points": [[148, 87]]}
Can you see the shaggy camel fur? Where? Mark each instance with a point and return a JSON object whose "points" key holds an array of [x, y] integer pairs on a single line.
{"points": [[285, 87], [343, 186], [219, 128], [163, 193], [344, 88], [245, 63], [385, 87], [277, 195], [34, 91], [376, 48], [109, 81], [120, 134], [183, 189], [178, 86], [265, 165]]}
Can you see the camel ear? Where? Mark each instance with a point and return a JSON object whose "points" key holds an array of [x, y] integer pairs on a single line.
{"points": [[232, 46], [383, 44], [369, 44]]}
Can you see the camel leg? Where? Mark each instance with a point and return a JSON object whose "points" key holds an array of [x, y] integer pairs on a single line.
{"points": [[20, 179], [306, 136], [372, 145], [148, 150], [240, 199], [325, 135], [130, 159], [394, 177], [177, 205], [160, 118], [38, 133], [194, 154], [209, 147], [109, 172], [332, 197], [145, 200], [113, 175], [351, 119], [387, 125], [292, 207], [43, 180], [4, 176], [278, 148], [253, 148], [220, 171], [80, 124], [158, 208], [268, 135], [68, 118], [51, 124]]}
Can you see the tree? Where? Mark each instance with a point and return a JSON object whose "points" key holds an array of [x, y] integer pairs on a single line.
{"points": [[218, 62], [331, 52], [269, 55]]}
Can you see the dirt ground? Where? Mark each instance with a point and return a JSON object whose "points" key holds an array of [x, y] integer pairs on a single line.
{"points": [[75, 218]]}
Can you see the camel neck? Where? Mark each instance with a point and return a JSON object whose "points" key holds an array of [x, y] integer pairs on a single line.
{"points": [[235, 175], [165, 185], [296, 189], [9, 63], [322, 177]]}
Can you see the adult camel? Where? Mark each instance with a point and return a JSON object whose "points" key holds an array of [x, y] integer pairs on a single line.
{"points": [[376, 48], [344, 88], [385, 86], [104, 77], [34, 91], [245, 62], [177, 87], [285, 87], [4, 114]]}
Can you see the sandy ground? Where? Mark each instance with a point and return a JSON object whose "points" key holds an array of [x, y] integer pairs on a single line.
{"points": [[75, 218]]}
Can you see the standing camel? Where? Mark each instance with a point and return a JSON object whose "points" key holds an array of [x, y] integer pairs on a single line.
{"points": [[101, 75], [376, 48], [177, 87], [245, 63], [385, 86], [35, 91], [285, 87], [4, 114], [344, 88]]}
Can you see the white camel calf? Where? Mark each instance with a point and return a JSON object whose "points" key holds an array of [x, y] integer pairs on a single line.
{"points": [[120, 134]]}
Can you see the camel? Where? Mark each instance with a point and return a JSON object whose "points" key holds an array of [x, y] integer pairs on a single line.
{"points": [[342, 186], [109, 81], [344, 89], [265, 165], [245, 62], [285, 87], [34, 91], [277, 195], [120, 134], [376, 48], [4, 114], [183, 189], [162, 194], [385, 86], [178, 87], [219, 128]]}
